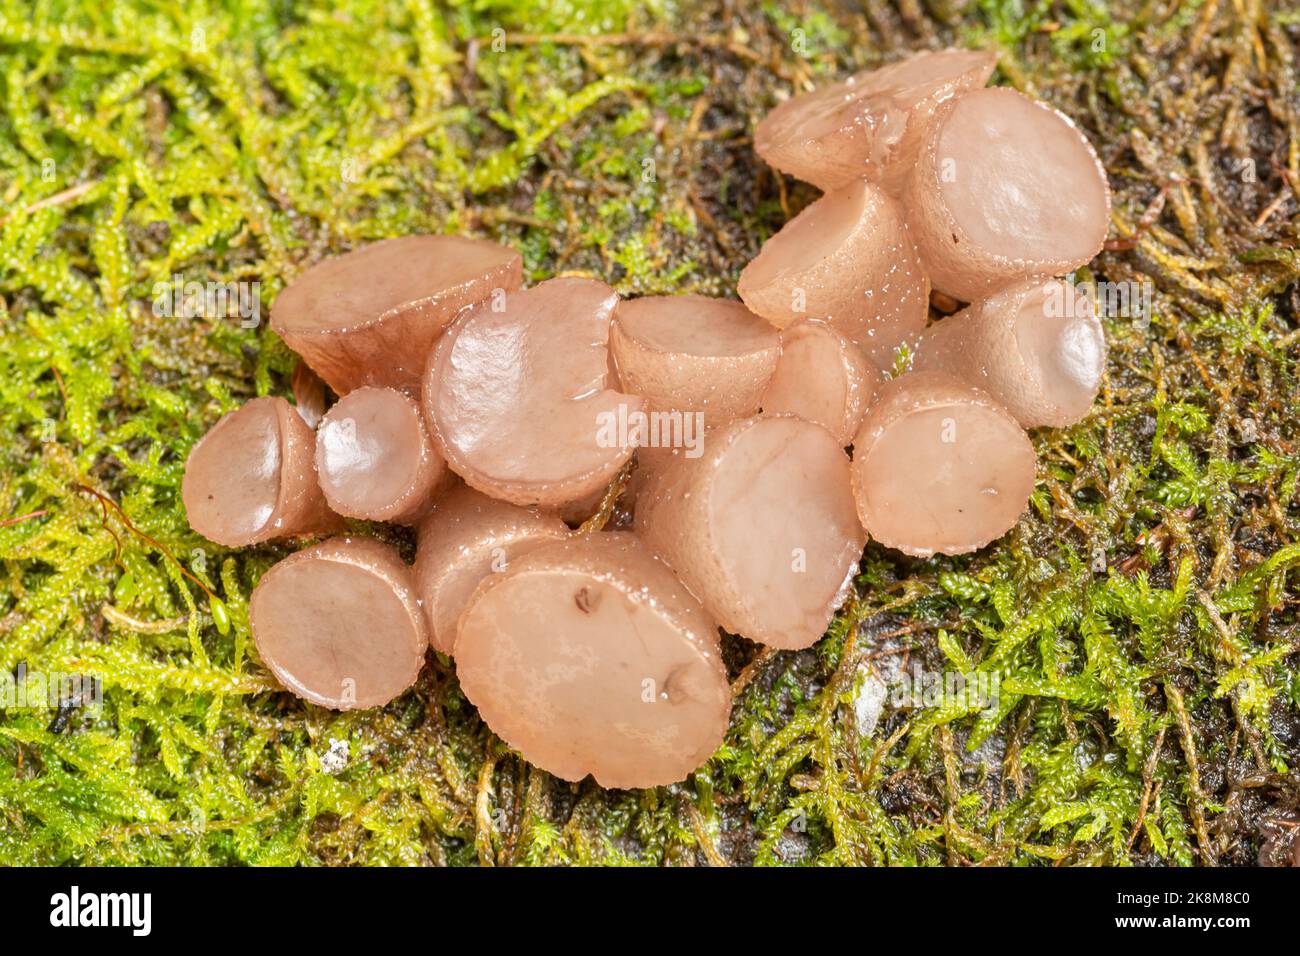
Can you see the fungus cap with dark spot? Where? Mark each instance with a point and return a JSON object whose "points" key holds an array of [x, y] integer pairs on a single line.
{"points": [[589, 657]]}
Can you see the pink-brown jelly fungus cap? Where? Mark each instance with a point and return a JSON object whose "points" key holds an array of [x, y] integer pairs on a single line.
{"points": [[589, 657], [939, 466], [251, 478], [339, 625], [371, 316]]}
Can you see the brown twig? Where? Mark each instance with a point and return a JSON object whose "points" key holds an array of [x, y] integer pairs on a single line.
{"points": [[1196, 802], [106, 503], [30, 516], [57, 199], [1148, 777]]}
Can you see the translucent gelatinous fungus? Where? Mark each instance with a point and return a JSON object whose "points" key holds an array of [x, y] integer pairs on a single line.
{"points": [[939, 466], [822, 377], [648, 461], [690, 353], [519, 398], [848, 259], [370, 316], [1005, 188], [374, 458], [308, 393], [597, 653], [589, 657], [338, 624], [870, 125], [465, 537], [251, 478], [761, 527], [1037, 347]]}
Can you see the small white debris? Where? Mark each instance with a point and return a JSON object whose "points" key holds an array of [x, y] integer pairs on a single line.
{"points": [[335, 760], [868, 702], [1098, 560]]}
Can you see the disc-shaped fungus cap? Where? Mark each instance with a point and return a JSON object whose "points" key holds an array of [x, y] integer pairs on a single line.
{"points": [[375, 459], [370, 316], [848, 259], [518, 395], [588, 657], [822, 377], [1005, 188], [761, 527], [465, 537], [338, 624], [251, 478], [870, 125], [1037, 347], [691, 353], [939, 466]]}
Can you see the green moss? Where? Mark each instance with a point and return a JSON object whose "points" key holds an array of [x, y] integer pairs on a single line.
{"points": [[1140, 623]]}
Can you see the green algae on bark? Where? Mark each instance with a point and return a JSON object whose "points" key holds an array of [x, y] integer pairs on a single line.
{"points": [[1139, 625]]}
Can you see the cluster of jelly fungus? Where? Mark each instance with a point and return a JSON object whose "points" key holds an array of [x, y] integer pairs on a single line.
{"points": [[768, 439]]}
